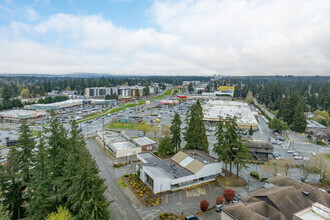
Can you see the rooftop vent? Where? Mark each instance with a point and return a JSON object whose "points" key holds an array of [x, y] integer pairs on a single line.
{"points": [[305, 192]]}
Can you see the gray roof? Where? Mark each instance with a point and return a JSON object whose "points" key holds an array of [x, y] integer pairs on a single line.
{"points": [[143, 141], [170, 167], [314, 195], [259, 144]]}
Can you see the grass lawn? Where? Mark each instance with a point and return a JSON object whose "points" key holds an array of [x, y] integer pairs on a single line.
{"points": [[120, 125], [328, 156], [121, 183], [168, 92]]}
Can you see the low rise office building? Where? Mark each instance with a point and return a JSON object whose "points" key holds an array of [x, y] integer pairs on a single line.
{"points": [[260, 150], [145, 143], [118, 143], [184, 169]]}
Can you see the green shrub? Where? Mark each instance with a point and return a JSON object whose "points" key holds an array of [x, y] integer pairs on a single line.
{"points": [[254, 174], [263, 179], [325, 182]]}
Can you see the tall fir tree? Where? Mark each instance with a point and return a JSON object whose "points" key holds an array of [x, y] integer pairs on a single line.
{"points": [[299, 119], [58, 156], [196, 133], [86, 191], [176, 131], [25, 157], [5, 214], [41, 186], [221, 147], [12, 186]]}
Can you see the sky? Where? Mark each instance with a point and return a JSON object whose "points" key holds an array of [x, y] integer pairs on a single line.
{"points": [[151, 37]]}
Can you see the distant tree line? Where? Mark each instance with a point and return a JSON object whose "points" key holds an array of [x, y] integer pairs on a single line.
{"points": [[40, 85]]}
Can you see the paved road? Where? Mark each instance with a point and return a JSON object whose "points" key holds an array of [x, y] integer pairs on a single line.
{"points": [[121, 208]]}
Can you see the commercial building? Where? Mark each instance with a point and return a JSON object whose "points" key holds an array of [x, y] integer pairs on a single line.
{"points": [[19, 114], [169, 102], [186, 168], [226, 90], [241, 110], [282, 198], [145, 143], [316, 211], [57, 105], [260, 150], [119, 144]]}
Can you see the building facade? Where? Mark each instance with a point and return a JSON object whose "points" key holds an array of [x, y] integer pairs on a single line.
{"points": [[185, 169]]}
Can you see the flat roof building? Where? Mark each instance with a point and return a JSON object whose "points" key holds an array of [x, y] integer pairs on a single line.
{"points": [[119, 144], [57, 105], [315, 212], [145, 143], [19, 114], [186, 168], [260, 150], [241, 110]]}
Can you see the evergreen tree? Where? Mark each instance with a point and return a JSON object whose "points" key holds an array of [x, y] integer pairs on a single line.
{"points": [[229, 147], [58, 156], [299, 119], [25, 156], [165, 146], [4, 212], [85, 188], [41, 189], [176, 131], [221, 147], [277, 125], [250, 131], [190, 88], [196, 134], [12, 186]]}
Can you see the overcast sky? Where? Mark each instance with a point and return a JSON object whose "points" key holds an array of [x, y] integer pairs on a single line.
{"points": [[231, 37]]}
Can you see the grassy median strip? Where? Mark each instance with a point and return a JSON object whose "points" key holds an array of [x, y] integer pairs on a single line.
{"points": [[120, 125], [168, 92]]}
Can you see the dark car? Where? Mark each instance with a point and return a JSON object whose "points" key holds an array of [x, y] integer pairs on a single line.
{"points": [[191, 217]]}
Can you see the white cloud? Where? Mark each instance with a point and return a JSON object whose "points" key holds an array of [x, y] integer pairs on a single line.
{"points": [[31, 15], [194, 37]]}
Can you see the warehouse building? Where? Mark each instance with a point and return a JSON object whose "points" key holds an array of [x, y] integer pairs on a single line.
{"points": [[241, 110], [185, 169], [19, 114]]}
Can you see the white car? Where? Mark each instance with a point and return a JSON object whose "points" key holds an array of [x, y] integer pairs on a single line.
{"points": [[297, 157], [290, 151]]}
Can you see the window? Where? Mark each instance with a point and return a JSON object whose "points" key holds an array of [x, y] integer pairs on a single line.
{"points": [[150, 181]]}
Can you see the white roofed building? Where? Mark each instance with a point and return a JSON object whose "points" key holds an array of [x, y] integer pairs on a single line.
{"points": [[241, 110], [186, 168]]}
